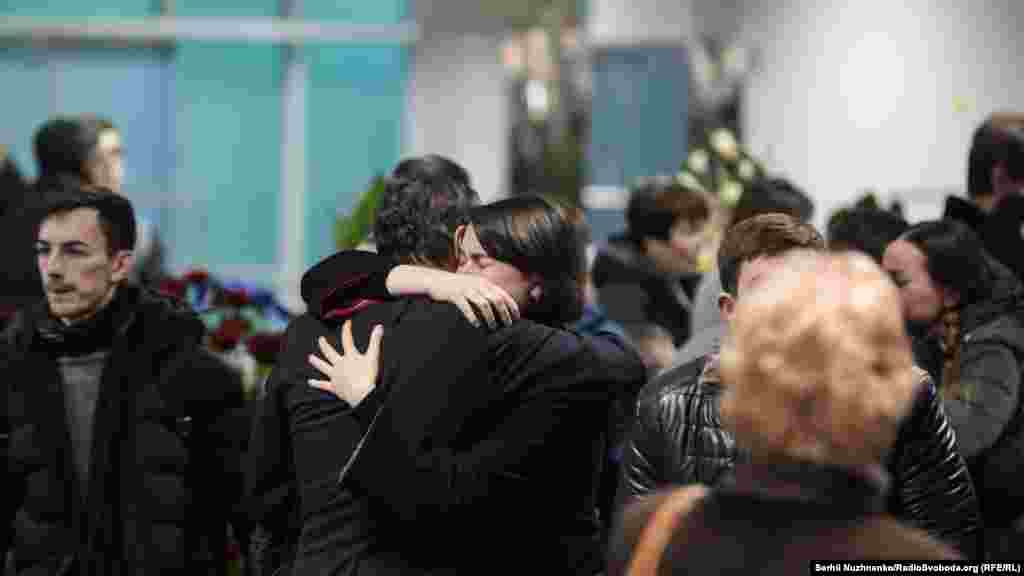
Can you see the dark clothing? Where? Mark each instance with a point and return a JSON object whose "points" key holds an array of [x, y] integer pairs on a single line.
{"points": [[988, 418], [163, 462], [13, 195], [21, 283], [633, 292], [470, 440], [778, 518], [1001, 231], [678, 439]]}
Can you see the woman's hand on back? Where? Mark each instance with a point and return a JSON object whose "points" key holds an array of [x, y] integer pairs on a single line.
{"points": [[351, 374]]}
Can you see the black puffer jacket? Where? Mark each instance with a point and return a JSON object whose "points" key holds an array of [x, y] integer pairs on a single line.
{"points": [[164, 469], [678, 439]]}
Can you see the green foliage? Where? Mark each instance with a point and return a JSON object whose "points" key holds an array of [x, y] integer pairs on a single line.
{"points": [[721, 166], [563, 165], [353, 229]]}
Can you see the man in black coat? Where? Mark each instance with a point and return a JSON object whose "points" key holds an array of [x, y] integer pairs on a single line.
{"points": [[121, 453], [994, 207], [678, 437], [474, 444]]}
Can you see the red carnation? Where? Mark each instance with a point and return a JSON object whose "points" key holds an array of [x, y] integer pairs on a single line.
{"points": [[196, 276], [235, 297], [227, 336], [265, 346], [173, 287]]}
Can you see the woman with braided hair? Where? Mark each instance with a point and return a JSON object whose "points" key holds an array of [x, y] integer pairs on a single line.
{"points": [[965, 311]]}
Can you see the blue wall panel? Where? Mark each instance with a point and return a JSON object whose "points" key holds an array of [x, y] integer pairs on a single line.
{"points": [[77, 9], [228, 118], [638, 117], [356, 103], [355, 110], [28, 96]]}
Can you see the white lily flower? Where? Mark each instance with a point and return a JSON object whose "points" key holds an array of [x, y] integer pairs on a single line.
{"points": [[730, 192], [747, 170], [688, 180], [698, 161], [725, 144]]}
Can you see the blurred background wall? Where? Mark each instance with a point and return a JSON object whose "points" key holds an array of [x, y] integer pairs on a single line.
{"points": [[246, 149]]}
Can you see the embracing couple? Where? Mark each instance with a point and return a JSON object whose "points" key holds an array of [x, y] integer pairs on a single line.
{"points": [[430, 413]]}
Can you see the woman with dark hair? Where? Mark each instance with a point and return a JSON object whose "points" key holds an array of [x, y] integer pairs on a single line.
{"points": [[966, 312], [464, 426], [519, 255]]}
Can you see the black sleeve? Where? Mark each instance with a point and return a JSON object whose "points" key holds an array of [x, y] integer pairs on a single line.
{"points": [[10, 498], [932, 488], [346, 276], [270, 504], [643, 463]]}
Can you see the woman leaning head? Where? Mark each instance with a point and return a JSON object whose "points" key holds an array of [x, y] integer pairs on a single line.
{"points": [[818, 367]]}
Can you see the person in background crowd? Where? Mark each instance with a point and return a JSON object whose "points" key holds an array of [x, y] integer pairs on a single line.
{"points": [[966, 312], [482, 416], [84, 149], [678, 437], [867, 230], [818, 377], [13, 189], [648, 275], [995, 179], [764, 196], [123, 456]]}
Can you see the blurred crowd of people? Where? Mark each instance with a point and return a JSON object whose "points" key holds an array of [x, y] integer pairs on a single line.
{"points": [[485, 389]]}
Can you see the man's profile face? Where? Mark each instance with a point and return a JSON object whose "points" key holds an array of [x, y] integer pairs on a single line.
{"points": [[106, 168], [79, 275]]}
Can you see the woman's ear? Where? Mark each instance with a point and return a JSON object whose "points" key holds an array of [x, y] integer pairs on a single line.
{"points": [[460, 254], [536, 292]]}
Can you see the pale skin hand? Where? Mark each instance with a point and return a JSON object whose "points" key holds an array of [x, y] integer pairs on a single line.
{"points": [[351, 375], [478, 298]]}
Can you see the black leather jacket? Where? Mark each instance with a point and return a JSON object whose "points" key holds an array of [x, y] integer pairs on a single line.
{"points": [[678, 439]]}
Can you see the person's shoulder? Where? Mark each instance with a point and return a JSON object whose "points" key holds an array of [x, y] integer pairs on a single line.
{"points": [[164, 316], [680, 380]]}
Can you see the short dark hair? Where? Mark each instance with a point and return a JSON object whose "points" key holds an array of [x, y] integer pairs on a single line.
{"points": [[996, 141], [867, 230], [770, 195], [64, 144], [955, 258], [763, 235], [116, 216], [540, 237], [657, 203], [424, 199]]}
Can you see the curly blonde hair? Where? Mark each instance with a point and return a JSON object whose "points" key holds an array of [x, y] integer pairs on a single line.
{"points": [[818, 366]]}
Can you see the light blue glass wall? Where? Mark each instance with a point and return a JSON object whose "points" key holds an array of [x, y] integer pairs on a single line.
{"points": [[228, 140], [207, 115], [355, 107]]}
